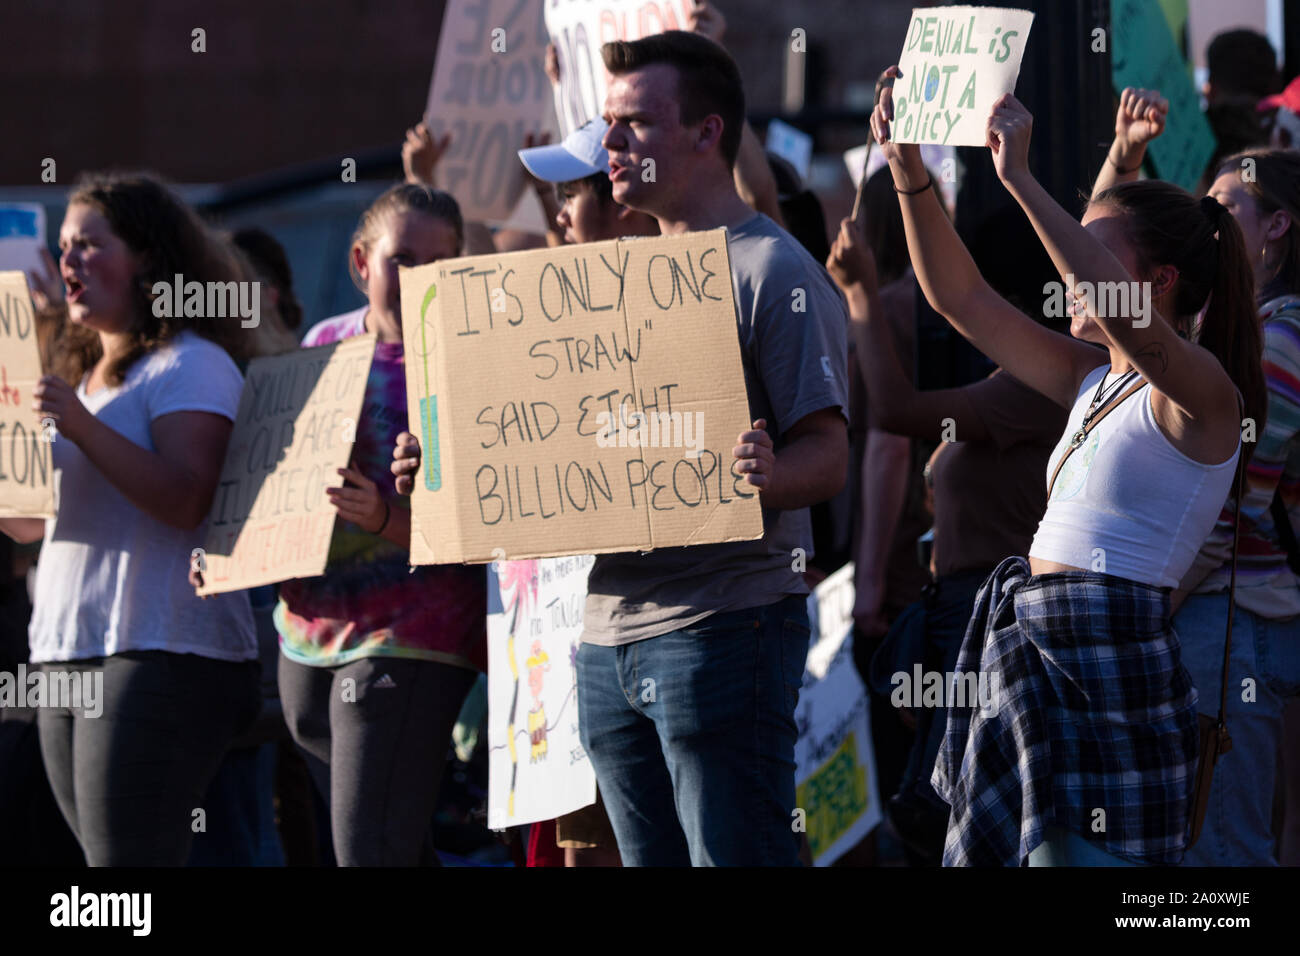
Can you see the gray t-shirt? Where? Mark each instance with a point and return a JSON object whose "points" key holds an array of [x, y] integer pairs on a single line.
{"points": [[793, 346]]}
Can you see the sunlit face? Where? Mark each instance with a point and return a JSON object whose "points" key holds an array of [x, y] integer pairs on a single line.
{"points": [[99, 271], [409, 238], [1236, 198], [645, 124], [1107, 224], [583, 217]]}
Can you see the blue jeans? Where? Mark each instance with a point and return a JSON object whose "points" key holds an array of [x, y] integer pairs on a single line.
{"points": [[1238, 823], [692, 738]]}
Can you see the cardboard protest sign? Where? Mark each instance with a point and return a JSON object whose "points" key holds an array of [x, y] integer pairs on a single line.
{"points": [[26, 474], [489, 89], [576, 400], [835, 769], [537, 768], [579, 28], [1145, 55], [956, 63], [271, 520], [22, 236]]}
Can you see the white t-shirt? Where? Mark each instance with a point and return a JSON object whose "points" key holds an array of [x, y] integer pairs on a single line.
{"points": [[111, 578]]}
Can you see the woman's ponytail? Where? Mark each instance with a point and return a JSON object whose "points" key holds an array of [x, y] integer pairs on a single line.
{"points": [[1230, 326], [1203, 242]]}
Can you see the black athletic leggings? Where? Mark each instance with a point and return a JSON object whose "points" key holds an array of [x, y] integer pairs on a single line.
{"points": [[131, 782], [376, 732]]}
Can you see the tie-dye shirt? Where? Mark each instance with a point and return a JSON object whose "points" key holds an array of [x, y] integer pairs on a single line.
{"points": [[370, 602]]}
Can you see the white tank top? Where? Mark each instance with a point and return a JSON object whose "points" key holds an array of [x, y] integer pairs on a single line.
{"points": [[1128, 502]]}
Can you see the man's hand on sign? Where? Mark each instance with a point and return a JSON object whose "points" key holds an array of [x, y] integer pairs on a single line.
{"points": [[421, 152], [1009, 128], [707, 20], [406, 462], [362, 504], [196, 579], [851, 262], [905, 163], [755, 457], [54, 398], [1140, 118]]}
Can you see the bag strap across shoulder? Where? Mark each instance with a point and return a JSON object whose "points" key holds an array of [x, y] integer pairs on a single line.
{"points": [[1132, 390]]}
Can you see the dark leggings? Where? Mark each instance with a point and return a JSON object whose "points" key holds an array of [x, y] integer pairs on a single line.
{"points": [[376, 733], [131, 781]]}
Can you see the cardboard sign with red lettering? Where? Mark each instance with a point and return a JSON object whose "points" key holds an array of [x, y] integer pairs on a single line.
{"points": [[576, 400], [26, 474], [271, 520]]}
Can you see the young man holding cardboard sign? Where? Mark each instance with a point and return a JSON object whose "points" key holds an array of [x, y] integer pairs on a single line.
{"points": [[692, 658]]}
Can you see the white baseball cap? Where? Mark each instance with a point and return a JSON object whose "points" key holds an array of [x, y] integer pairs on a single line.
{"points": [[579, 156]]}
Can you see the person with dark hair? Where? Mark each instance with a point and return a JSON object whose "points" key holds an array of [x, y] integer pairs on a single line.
{"points": [[993, 440], [268, 259], [1261, 188], [375, 657], [144, 405], [1091, 708], [1241, 70], [706, 776]]}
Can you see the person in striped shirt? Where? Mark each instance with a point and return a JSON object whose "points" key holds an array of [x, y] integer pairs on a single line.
{"points": [[1261, 188]]}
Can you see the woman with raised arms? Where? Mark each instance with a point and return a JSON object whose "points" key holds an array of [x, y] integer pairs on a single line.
{"points": [[1089, 753]]}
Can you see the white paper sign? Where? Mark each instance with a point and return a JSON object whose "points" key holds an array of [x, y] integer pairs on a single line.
{"points": [[22, 236], [579, 28], [835, 772], [937, 159], [956, 63], [537, 768], [793, 145]]}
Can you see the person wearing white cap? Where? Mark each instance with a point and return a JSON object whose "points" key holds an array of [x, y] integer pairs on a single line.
{"points": [[579, 168]]}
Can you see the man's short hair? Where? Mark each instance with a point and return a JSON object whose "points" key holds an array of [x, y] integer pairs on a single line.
{"points": [[598, 183], [708, 80]]}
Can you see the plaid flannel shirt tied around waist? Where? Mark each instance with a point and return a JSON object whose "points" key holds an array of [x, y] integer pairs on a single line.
{"points": [[1092, 724]]}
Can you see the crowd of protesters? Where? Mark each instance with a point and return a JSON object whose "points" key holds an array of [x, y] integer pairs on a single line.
{"points": [[1095, 504]]}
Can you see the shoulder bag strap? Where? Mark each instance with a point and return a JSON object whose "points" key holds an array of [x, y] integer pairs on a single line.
{"points": [[1087, 431]]}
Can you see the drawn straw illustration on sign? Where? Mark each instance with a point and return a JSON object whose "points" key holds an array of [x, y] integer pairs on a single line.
{"points": [[429, 402]]}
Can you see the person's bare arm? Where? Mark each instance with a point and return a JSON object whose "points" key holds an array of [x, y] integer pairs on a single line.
{"points": [[884, 493], [894, 403], [754, 179], [1139, 119], [173, 485], [23, 530], [810, 468], [1047, 362], [1183, 373]]}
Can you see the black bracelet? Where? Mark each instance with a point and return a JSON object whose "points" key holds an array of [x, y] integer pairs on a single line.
{"points": [[1120, 169], [388, 513], [913, 192]]}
